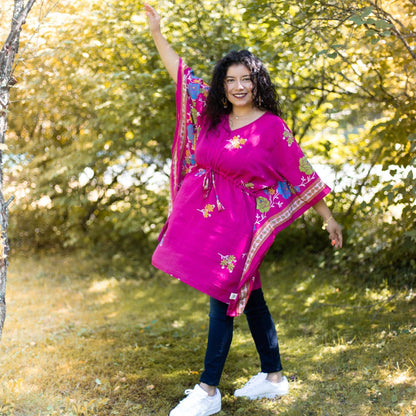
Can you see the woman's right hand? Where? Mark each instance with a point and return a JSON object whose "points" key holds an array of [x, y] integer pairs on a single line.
{"points": [[153, 18], [169, 57]]}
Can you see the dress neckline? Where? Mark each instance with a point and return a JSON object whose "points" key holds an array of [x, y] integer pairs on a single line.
{"points": [[246, 125]]}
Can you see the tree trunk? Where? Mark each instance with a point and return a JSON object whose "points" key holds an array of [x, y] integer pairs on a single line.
{"points": [[7, 57]]}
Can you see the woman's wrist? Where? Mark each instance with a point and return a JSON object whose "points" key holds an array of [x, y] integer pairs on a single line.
{"points": [[326, 222], [156, 31]]}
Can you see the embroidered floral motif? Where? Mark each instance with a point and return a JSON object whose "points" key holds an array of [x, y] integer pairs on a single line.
{"points": [[193, 90], [305, 166], [191, 133], [262, 204], [194, 115], [294, 189], [249, 185], [269, 191], [284, 190], [206, 212], [287, 134], [188, 161], [228, 262], [237, 142]]}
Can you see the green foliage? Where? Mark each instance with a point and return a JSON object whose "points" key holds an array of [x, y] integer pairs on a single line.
{"points": [[99, 125], [354, 68], [93, 117], [90, 163]]}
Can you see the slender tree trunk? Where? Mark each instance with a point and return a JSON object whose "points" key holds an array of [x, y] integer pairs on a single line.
{"points": [[7, 57]]}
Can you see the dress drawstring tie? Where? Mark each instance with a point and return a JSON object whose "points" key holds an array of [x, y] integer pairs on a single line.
{"points": [[209, 183]]}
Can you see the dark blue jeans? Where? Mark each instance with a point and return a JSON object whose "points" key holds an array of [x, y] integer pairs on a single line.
{"points": [[220, 335]]}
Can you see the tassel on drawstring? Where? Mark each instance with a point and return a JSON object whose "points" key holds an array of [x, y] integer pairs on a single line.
{"points": [[209, 183]]}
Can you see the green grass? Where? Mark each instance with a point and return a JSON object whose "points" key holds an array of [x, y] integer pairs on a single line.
{"points": [[80, 340]]}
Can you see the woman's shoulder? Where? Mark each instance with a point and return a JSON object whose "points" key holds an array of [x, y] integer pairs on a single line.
{"points": [[274, 121], [277, 130], [273, 118]]}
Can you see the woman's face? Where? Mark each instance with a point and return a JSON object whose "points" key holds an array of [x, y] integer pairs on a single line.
{"points": [[239, 86]]}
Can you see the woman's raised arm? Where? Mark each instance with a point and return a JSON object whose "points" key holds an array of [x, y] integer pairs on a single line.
{"points": [[169, 57]]}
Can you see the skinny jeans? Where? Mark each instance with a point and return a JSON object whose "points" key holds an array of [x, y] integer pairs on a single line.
{"points": [[220, 335]]}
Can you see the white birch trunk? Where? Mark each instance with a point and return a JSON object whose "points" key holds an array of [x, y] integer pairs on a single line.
{"points": [[7, 57]]}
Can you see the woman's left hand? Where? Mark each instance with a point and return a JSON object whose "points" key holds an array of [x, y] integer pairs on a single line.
{"points": [[335, 233], [153, 18]]}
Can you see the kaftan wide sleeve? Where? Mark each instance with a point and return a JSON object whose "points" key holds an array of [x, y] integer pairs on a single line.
{"points": [[191, 96], [297, 189], [299, 176]]}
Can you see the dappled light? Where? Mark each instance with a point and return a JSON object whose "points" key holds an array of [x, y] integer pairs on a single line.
{"points": [[93, 160], [137, 354], [87, 117]]}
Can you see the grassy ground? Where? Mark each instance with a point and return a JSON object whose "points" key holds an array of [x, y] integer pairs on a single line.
{"points": [[80, 341]]}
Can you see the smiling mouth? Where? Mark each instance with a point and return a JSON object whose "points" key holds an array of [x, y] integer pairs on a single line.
{"points": [[239, 95]]}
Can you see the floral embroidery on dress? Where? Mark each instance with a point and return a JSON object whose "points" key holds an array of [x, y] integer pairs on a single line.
{"points": [[249, 185], [206, 212], [262, 204], [189, 161], [284, 190], [287, 134], [194, 115], [191, 134], [265, 203], [193, 90], [228, 262], [305, 166], [237, 142], [294, 189]]}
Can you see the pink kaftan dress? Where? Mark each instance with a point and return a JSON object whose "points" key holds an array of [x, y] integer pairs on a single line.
{"points": [[232, 191]]}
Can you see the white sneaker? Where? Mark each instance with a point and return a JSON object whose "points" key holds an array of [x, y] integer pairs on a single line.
{"points": [[198, 403], [258, 388]]}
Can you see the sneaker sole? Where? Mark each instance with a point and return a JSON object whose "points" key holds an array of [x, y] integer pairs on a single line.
{"points": [[211, 412], [264, 396]]}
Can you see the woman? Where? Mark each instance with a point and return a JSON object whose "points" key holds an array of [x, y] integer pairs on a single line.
{"points": [[238, 177]]}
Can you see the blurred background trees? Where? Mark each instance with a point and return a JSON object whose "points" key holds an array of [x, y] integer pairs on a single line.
{"points": [[93, 116]]}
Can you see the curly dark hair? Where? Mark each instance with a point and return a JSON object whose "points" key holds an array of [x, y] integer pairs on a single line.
{"points": [[264, 93]]}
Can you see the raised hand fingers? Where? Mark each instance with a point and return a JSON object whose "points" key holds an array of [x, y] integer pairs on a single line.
{"points": [[152, 16]]}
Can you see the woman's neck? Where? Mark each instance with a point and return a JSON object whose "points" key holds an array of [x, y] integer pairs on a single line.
{"points": [[238, 121], [244, 112]]}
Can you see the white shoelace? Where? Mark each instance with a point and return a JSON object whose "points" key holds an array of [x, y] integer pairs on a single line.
{"points": [[191, 399], [254, 379]]}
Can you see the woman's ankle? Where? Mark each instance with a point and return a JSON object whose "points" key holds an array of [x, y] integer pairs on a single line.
{"points": [[275, 377], [211, 390]]}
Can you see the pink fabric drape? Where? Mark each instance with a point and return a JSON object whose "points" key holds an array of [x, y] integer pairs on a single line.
{"points": [[258, 172]]}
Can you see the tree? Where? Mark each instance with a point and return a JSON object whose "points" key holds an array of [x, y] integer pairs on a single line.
{"points": [[107, 114], [344, 71], [356, 61], [7, 57]]}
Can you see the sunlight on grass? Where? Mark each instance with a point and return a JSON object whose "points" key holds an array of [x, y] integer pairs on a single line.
{"points": [[81, 342]]}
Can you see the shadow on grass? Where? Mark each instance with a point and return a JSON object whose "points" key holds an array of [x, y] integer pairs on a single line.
{"points": [[345, 353], [104, 345]]}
